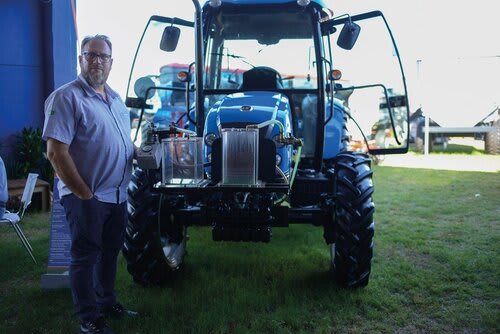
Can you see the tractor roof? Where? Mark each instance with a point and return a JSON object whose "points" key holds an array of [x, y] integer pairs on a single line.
{"points": [[268, 2]]}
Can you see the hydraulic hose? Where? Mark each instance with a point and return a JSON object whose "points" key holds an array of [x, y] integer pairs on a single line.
{"points": [[296, 159], [269, 122]]}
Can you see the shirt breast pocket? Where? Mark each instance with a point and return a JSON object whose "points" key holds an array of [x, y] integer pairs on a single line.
{"points": [[122, 114]]}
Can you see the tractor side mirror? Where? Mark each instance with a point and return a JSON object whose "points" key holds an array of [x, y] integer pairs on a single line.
{"points": [[348, 35], [170, 38]]}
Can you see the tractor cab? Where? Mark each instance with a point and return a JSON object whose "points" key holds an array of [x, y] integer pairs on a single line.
{"points": [[318, 62]]}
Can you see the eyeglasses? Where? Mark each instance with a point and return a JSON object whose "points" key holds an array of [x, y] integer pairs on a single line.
{"points": [[91, 56]]}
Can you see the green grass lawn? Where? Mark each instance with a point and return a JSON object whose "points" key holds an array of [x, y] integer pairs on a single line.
{"points": [[436, 269], [467, 146], [457, 149]]}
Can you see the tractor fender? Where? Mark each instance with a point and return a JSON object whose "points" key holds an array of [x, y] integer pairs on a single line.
{"points": [[336, 134]]}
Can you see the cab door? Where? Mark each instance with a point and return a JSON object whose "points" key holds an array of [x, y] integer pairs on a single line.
{"points": [[154, 91], [373, 85]]}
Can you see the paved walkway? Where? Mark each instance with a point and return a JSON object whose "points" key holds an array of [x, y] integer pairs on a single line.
{"points": [[476, 163]]}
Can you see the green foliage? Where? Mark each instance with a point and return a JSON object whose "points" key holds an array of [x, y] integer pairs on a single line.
{"points": [[30, 150], [436, 269], [31, 155], [12, 167]]}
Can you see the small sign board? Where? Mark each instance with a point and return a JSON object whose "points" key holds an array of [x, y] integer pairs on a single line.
{"points": [[57, 275]]}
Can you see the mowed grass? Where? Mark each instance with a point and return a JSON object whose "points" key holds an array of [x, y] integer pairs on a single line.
{"points": [[436, 269], [456, 146]]}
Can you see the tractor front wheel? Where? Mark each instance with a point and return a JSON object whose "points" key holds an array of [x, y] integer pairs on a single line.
{"points": [[352, 251], [154, 248]]}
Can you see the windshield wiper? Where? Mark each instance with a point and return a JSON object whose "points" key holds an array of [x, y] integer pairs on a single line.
{"points": [[232, 56]]}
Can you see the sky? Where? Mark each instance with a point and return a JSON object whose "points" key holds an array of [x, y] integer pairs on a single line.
{"points": [[450, 49]]}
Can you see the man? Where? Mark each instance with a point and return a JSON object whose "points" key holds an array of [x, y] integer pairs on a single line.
{"points": [[87, 129], [4, 191]]}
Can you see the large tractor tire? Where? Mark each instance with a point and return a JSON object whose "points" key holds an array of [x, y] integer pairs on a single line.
{"points": [[154, 248], [352, 250], [492, 140], [344, 136]]}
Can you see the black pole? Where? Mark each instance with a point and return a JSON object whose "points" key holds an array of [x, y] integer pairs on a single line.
{"points": [[200, 112]]}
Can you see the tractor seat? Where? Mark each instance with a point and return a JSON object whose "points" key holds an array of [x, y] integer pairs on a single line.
{"points": [[261, 78]]}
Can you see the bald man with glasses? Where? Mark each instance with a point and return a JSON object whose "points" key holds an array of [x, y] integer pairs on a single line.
{"points": [[87, 129]]}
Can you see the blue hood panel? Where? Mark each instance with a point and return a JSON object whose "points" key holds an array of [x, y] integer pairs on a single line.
{"points": [[242, 109]]}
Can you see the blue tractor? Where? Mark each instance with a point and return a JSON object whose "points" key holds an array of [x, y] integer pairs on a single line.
{"points": [[271, 88]]}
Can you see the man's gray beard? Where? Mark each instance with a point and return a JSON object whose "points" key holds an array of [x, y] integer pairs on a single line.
{"points": [[96, 80]]}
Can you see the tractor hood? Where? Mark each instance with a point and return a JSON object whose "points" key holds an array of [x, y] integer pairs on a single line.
{"points": [[241, 109]]}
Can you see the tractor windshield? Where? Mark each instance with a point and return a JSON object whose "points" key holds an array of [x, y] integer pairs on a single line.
{"points": [[239, 41]]}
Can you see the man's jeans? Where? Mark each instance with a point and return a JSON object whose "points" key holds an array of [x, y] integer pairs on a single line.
{"points": [[2, 210], [97, 234]]}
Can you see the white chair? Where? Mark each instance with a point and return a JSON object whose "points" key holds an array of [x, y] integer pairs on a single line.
{"points": [[14, 219]]}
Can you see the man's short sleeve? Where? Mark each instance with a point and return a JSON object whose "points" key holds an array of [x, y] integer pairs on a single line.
{"points": [[60, 122]]}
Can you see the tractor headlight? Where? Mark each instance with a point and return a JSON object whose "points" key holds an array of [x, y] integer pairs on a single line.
{"points": [[278, 159], [303, 3], [210, 138], [215, 3]]}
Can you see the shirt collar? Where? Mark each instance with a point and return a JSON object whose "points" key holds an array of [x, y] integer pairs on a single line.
{"points": [[91, 91]]}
